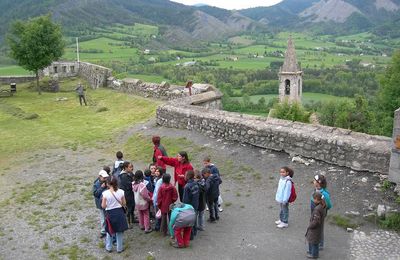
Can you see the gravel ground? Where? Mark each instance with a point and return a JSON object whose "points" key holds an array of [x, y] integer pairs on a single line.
{"points": [[47, 210]]}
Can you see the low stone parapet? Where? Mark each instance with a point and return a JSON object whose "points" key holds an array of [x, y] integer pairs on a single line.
{"points": [[333, 145]]}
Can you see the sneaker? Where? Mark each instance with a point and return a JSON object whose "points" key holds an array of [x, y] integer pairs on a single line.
{"points": [[278, 222], [148, 231], [220, 209], [103, 235], [211, 220], [217, 217], [207, 208], [174, 244], [282, 225], [311, 256]]}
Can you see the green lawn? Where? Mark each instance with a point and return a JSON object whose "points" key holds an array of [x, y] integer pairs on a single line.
{"points": [[66, 123], [109, 49], [13, 71]]}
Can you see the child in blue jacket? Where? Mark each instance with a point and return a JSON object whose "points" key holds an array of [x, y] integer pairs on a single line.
{"points": [[181, 233], [282, 196]]}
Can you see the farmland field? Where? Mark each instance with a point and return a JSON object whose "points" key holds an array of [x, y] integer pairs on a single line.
{"points": [[307, 98]]}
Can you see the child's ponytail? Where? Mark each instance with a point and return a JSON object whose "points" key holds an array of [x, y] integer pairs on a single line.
{"points": [[289, 171]]}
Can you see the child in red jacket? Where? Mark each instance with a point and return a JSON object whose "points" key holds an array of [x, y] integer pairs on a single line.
{"points": [[166, 196]]}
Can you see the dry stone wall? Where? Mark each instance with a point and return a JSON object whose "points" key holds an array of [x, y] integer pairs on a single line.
{"points": [[96, 75], [333, 145], [163, 91], [16, 79]]}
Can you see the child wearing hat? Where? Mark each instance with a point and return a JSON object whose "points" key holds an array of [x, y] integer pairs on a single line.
{"points": [[99, 186]]}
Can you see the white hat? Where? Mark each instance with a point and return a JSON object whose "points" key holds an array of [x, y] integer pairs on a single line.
{"points": [[103, 174]]}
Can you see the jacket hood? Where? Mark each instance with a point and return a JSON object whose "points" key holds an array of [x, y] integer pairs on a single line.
{"points": [[137, 186], [168, 187]]}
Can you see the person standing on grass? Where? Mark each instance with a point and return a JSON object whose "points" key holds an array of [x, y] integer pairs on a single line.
{"points": [[158, 150], [80, 90], [125, 183], [113, 201], [181, 165], [98, 187]]}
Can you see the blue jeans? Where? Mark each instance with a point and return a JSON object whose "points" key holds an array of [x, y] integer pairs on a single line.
{"points": [[213, 208], [284, 214], [313, 249], [102, 221], [200, 220], [109, 241]]}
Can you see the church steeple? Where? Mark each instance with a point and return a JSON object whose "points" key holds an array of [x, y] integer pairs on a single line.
{"points": [[290, 76], [290, 64]]}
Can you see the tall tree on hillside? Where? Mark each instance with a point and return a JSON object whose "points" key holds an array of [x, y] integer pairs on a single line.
{"points": [[389, 91], [36, 43]]}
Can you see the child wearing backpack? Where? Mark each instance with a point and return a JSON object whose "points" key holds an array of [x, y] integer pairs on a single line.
{"points": [[314, 230], [183, 218], [198, 177], [283, 195], [166, 195], [142, 200], [191, 196], [117, 167], [320, 184]]}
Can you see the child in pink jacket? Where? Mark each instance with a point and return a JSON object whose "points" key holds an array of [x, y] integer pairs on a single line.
{"points": [[142, 199]]}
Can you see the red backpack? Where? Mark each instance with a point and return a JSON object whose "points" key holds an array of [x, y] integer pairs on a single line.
{"points": [[293, 194]]}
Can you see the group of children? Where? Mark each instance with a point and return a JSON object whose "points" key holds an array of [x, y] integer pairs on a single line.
{"points": [[320, 204], [152, 195]]}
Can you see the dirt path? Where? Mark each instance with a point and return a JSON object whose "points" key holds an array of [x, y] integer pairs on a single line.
{"points": [[47, 209]]}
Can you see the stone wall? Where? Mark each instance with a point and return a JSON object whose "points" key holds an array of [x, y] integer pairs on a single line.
{"points": [[16, 79], [333, 145], [163, 91], [96, 76], [63, 69]]}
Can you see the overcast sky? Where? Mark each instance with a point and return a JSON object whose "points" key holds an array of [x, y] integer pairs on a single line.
{"points": [[231, 4]]}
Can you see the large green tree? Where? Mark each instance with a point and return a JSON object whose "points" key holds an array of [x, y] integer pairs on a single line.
{"points": [[36, 43]]}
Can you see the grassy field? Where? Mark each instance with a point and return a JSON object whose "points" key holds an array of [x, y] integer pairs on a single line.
{"points": [[307, 98], [125, 44], [13, 70], [66, 123]]}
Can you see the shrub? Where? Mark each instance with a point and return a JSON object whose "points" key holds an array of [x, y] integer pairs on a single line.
{"points": [[392, 221], [293, 112]]}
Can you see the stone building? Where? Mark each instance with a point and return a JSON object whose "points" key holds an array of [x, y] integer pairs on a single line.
{"points": [[290, 76]]}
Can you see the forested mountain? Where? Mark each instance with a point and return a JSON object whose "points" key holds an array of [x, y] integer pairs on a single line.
{"points": [[180, 23], [329, 16], [177, 20]]}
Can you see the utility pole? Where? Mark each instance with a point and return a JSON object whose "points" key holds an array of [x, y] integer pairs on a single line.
{"points": [[77, 49]]}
